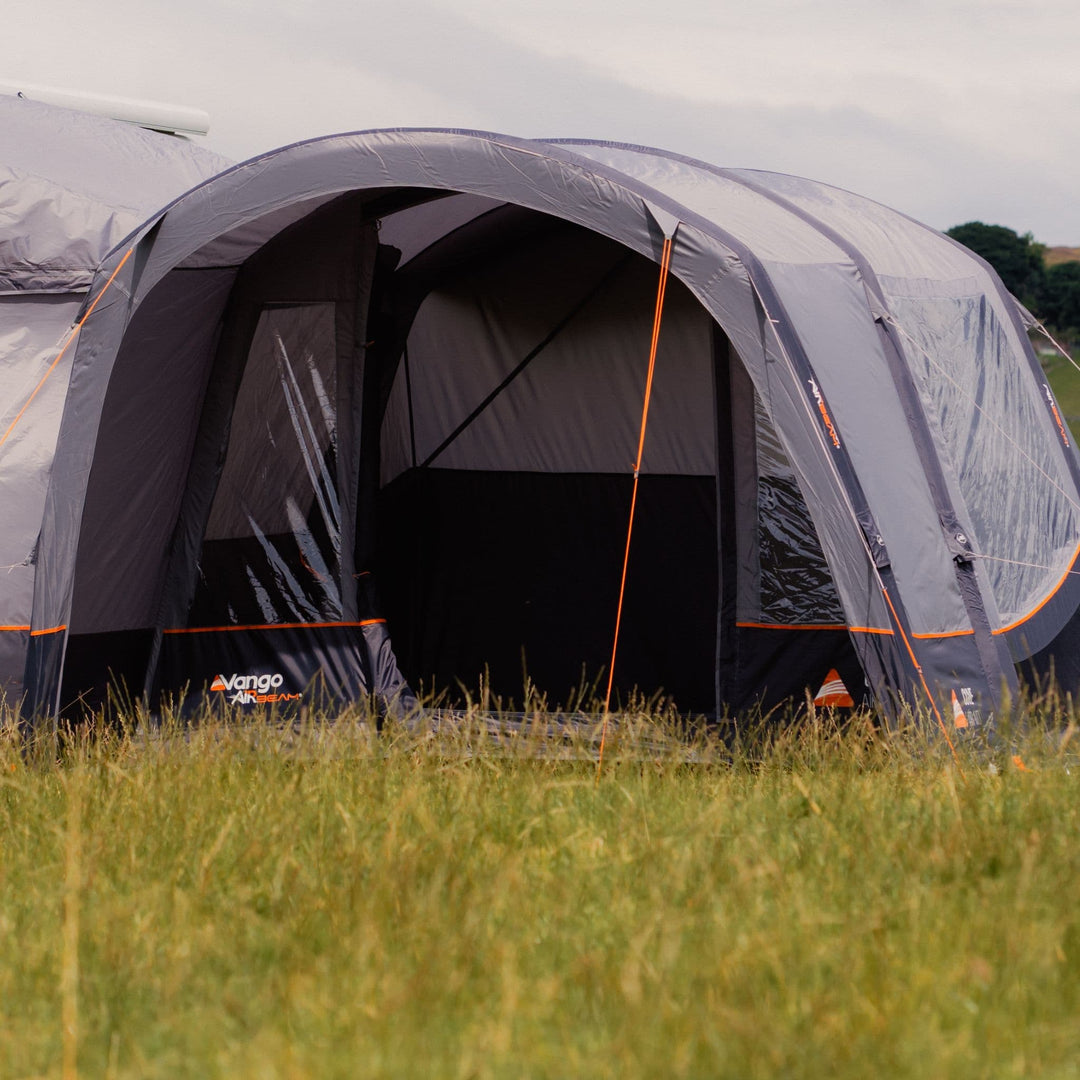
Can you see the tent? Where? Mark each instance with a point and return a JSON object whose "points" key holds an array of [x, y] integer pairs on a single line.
{"points": [[360, 417], [71, 187]]}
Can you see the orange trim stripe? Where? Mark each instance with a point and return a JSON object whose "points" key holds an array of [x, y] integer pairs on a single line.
{"points": [[50, 630], [816, 626], [933, 637], [63, 349], [270, 626]]}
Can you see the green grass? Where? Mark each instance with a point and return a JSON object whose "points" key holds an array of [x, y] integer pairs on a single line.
{"points": [[245, 902], [1065, 382]]}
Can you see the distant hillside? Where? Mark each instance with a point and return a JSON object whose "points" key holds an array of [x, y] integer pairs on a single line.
{"points": [[1055, 255]]}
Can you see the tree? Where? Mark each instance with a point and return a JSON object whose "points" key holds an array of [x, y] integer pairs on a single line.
{"points": [[1017, 259], [1060, 304]]}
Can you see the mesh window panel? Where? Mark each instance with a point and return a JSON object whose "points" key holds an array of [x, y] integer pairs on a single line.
{"points": [[796, 586], [272, 548], [994, 432]]}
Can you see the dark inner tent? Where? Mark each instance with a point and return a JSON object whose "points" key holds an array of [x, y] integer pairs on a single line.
{"points": [[362, 419]]}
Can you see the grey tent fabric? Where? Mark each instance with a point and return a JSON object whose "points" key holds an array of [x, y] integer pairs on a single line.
{"points": [[71, 187], [434, 320]]}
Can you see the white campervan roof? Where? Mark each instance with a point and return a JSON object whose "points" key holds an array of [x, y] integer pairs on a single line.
{"points": [[172, 119]]}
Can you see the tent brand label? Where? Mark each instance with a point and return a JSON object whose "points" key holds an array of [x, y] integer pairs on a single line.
{"points": [[833, 693], [1057, 415], [963, 708], [252, 689], [825, 417]]}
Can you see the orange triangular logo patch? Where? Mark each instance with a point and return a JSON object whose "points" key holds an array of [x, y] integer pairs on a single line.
{"points": [[219, 684], [833, 693], [958, 718]]}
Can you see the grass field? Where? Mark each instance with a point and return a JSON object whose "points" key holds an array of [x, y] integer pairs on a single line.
{"points": [[249, 902], [1055, 255], [1065, 382]]}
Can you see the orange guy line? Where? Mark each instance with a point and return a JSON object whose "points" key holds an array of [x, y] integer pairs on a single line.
{"points": [[665, 263], [63, 349]]}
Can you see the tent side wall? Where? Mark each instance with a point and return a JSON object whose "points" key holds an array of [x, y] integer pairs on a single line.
{"points": [[995, 426], [32, 330], [860, 370], [71, 186]]}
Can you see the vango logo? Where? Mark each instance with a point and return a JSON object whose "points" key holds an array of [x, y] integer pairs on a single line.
{"points": [[252, 689]]}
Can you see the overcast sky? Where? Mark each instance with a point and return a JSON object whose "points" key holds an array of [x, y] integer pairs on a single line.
{"points": [[950, 110]]}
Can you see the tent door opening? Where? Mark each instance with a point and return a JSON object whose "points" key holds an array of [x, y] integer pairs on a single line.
{"points": [[506, 445], [505, 451]]}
